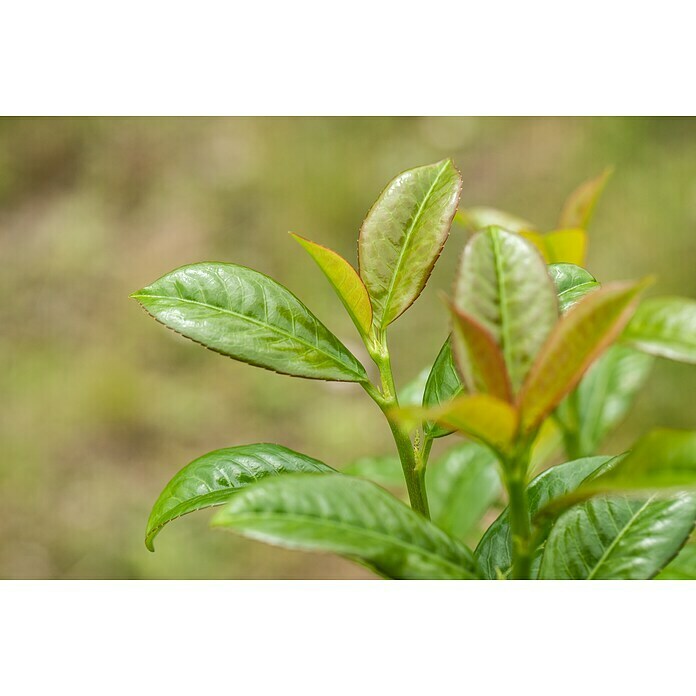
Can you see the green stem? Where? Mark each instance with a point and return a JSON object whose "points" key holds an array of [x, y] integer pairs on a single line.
{"points": [[520, 523], [415, 477], [387, 400]]}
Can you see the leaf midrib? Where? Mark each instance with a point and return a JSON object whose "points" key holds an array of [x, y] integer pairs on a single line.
{"points": [[579, 286], [346, 526], [504, 315], [619, 537], [251, 320], [408, 237]]}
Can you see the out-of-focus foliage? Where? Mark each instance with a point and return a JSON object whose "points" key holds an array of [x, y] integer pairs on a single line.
{"points": [[100, 407]]}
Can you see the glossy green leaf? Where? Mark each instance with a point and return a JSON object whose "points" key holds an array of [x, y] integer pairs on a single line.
{"points": [[494, 552], [603, 397], [480, 217], [503, 283], [403, 235], [683, 567], [572, 283], [579, 206], [350, 517], [443, 384], [345, 281], [213, 478], [462, 485], [618, 538], [578, 339], [478, 357], [385, 471], [480, 416], [665, 326], [248, 316]]}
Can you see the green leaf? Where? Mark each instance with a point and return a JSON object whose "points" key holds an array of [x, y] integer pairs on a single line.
{"points": [[572, 282], [666, 327], [213, 478], [683, 567], [578, 339], [443, 384], [462, 485], [479, 359], [385, 471], [480, 416], [350, 517], [345, 281], [494, 552], [503, 284], [579, 206], [248, 316], [662, 459], [604, 396], [403, 235], [618, 538], [480, 217]]}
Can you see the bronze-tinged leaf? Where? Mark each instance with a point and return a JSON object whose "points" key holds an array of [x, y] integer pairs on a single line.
{"points": [[579, 338], [503, 284], [403, 235], [478, 357], [480, 416]]}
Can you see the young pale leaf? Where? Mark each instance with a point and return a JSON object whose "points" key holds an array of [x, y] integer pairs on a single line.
{"points": [[578, 340], [478, 218], [604, 396], [248, 316], [618, 538], [403, 235], [666, 327], [480, 416], [350, 517], [462, 485], [345, 281], [547, 444], [443, 384], [560, 246], [494, 552], [213, 478], [502, 283], [385, 471], [572, 283], [478, 357], [579, 206], [683, 567]]}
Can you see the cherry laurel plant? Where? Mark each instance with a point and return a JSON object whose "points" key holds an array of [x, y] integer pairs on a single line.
{"points": [[541, 358]]}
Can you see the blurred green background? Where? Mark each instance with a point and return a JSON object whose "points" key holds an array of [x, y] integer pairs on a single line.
{"points": [[101, 405]]}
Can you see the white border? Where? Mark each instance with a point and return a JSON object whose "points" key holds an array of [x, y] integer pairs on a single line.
{"points": [[347, 638], [364, 57]]}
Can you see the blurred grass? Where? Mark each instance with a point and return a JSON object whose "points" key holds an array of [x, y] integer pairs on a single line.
{"points": [[100, 405]]}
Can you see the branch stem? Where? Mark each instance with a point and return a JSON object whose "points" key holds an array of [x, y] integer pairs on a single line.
{"points": [[520, 523], [412, 462]]}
